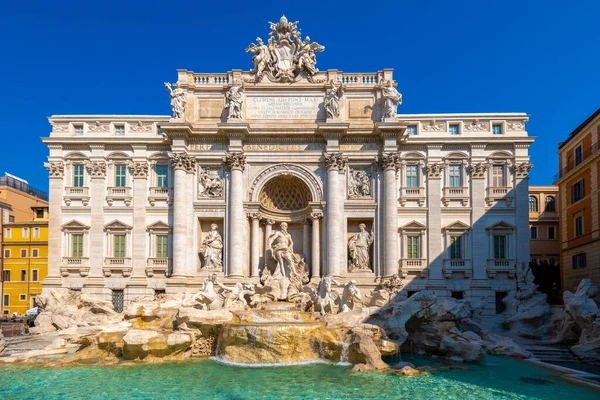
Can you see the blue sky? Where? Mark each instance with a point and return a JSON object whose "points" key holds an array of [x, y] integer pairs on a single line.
{"points": [[112, 57]]}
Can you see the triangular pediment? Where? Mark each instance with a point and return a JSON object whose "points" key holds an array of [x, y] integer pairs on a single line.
{"points": [[457, 226], [117, 225], [501, 225], [73, 224], [158, 226], [414, 226]]}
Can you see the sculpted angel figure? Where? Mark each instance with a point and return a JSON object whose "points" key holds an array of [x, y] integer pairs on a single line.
{"points": [[358, 247], [391, 100], [177, 100], [261, 59], [234, 102], [212, 249], [331, 102], [282, 248], [305, 55]]}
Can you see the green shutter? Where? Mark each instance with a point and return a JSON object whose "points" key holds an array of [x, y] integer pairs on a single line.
{"points": [[120, 175], [77, 245], [119, 246], [161, 246]]}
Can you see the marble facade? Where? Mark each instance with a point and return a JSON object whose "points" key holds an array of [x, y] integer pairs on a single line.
{"points": [[323, 151]]}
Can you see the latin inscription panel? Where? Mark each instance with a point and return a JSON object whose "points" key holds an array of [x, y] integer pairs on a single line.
{"points": [[283, 107]]}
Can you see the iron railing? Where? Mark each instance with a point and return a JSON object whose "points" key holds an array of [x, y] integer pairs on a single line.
{"points": [[23, 187]]}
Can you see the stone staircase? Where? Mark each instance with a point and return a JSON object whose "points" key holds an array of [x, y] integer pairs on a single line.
{"points": [[552, 354]]}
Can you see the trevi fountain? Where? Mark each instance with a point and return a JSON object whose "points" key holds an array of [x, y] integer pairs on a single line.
{"points": [[291, 328]]}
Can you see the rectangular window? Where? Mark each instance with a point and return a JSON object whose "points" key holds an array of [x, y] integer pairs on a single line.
{"points": [[412, 176], [6, 300], [11, 218], [23, 275], [455, 175], [22, 297], [6, 276], [578, 225], [551, 232], [34, 275], [25, 233], [23, 253], [498, 176], [8, 233], [120, 175], [161, 176], [578, 154], [500, 246], [411, 130], [533, 232], [39, 213], [456, 247], [454, 129], [458, 295], [78, 129], [35, 253], [497, 129], [118, 297], [6, 253], [119, 129], [119, 246], [161, 246], [578, 190], [78, 175], [77, 245], [579, 260], [36, 232], [412, 247]]}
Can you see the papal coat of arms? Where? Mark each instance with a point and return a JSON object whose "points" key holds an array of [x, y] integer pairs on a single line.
{"points": [[285, 57]]}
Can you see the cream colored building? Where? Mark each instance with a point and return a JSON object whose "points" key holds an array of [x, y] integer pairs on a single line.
{"points": [[444, 197]]}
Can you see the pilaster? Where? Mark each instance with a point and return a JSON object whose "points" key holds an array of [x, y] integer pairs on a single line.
{"points": [[435, 172], [478, 173], [139, 172], [56, 171], [336, 165], [236, 161]]}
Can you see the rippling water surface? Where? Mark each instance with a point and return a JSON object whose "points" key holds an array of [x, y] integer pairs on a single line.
{"points": [[495, 378]]}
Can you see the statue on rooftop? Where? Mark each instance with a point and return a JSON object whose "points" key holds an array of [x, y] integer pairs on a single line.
{"points": [[331, 102], [177, 100], [391, 100]]}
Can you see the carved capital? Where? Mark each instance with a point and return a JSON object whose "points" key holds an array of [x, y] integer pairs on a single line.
{"points": [[390, 161], [138, 169], [182, 161], [236, 160], [56, 169], [335, 161], [316, 214], [254, 215], [96, 169], [522, 170], [434, 171], [478, 170], [269, 222]]}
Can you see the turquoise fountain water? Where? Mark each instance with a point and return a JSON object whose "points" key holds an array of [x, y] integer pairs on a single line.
{"points": [[495, 378]]}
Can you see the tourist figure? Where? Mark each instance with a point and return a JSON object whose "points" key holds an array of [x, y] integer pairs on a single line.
{"points": [[177, 100], [391, 100], [282, 249], [234, 102], [358, 247], [212, 249]]}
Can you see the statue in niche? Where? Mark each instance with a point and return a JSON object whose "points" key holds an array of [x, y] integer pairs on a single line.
{"points": [[234, 99], [351, 296], [331, 102], [210, 184], [212, 250], [282, 250], [358, 247], [177, 100], [359, 184], [391, 100]]}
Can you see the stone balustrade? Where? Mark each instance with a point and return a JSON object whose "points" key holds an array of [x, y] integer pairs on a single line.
{"points": [[117, 265], [455, 193], [495, 193], [75, 265], [157, 266], [457, 265], [416, 266], [416, 194], [496, 265]]}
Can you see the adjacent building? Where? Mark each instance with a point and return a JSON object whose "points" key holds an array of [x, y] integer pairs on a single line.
{"points": [[543, 224], [143, 204], [578, 181]]}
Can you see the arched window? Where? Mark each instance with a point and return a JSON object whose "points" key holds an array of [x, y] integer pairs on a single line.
{"points": [[533, 204], [550, 204]]}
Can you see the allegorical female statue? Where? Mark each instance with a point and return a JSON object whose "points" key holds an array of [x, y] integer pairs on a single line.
{"points": [[234, 102], [177, 100], [391, 99], [358, 247], [212, 249]]}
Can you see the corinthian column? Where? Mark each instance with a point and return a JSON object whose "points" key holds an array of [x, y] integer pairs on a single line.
{"points": [[139, 171], [56, 170], [316, 245], [255, 247], [336, 165], [179, 162], [390, 162], [236, 163]]}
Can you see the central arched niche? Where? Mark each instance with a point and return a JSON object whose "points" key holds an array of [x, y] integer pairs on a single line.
{"points": [[285, 193]]}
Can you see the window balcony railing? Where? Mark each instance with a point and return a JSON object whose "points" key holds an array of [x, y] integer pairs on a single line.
{"points": [[77, 193], [416, 266], [505, 265], [118, 193], [157, 266], [159, 194], [455, 193], [591, 151], [412, 193], [457, 265], [117, 265], [495, 193], [75, 265]]}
